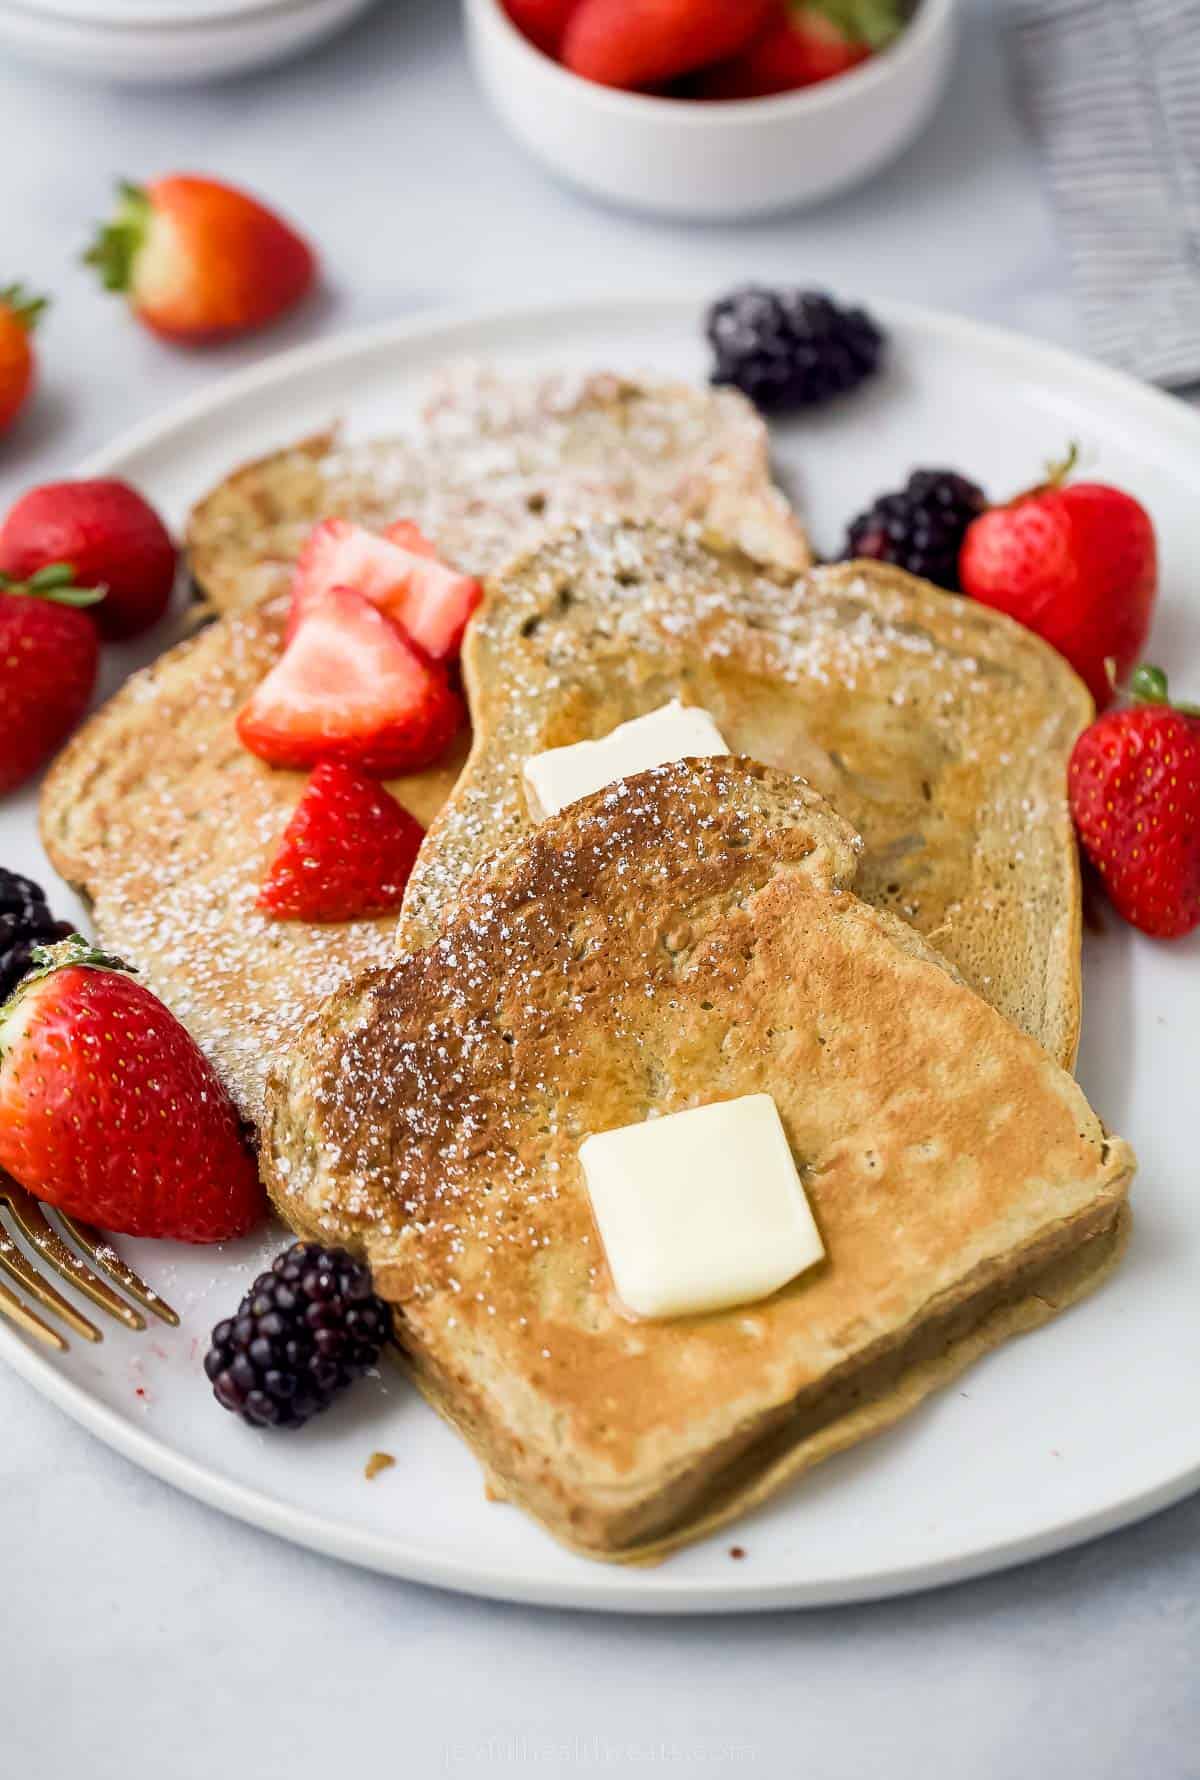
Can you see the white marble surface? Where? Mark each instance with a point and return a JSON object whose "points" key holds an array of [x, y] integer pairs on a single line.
{"points": [[142, 1633]]}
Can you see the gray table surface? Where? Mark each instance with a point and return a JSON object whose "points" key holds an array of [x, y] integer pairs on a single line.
{"points": [[141, 1633]]}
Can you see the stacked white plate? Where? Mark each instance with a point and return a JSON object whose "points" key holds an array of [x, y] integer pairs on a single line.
{"points": [[162, 42]]}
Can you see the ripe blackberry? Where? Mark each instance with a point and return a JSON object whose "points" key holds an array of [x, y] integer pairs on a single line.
{"points": [[25, 922], [302, 1333], [791, 348], [919, 527]]}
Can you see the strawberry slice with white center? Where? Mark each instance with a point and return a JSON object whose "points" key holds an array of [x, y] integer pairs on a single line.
{"points": [[398, 571], [350, 686]]}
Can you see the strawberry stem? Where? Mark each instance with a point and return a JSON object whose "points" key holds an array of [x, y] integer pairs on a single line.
{"points": [[1149, 686], [54, 582], [1060, 468], [1057, 472], [118, 242], [23, 306]]}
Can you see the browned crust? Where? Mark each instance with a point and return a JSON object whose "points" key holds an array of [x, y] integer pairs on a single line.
{"points": [[735, 1482]]}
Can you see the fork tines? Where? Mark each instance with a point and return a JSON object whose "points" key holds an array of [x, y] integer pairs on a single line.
{"points": [[45, 1240]]}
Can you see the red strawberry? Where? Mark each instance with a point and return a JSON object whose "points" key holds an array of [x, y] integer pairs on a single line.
{"points": [[111, 537], [346, 853], [399, 572], [803, 44], [19, 315], [200, 260], [109, 1111], [542, 21], [1135, 796], [1078, 564], [641, 43], [350, 686], [48, 656]]}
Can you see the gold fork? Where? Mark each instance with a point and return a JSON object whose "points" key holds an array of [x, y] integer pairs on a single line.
{"points": [[40, 1235]]}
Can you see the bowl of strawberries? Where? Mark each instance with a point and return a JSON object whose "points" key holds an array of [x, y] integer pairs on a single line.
{"points": [[709, 109]]}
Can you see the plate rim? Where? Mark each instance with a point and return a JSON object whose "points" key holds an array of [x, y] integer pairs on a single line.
{"points": [[601, 1588]]}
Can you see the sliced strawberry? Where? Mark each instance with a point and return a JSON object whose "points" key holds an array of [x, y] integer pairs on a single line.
{"points": [[438, 601], [399, 572], [346, 853], [350, 686], [408, 534]]}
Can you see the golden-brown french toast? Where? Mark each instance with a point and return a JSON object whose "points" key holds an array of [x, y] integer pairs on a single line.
{"points": [[684, 937], [165, 823], [939, 729], [496, 463]]}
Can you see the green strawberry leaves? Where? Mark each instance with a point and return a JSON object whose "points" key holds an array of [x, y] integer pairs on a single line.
{"points": [[118, 242], [23, 306], [873, 22], [55, 582]]}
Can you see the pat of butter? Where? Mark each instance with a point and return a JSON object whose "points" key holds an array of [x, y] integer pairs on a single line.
{"points": [[702, 1209], [563, 775]]}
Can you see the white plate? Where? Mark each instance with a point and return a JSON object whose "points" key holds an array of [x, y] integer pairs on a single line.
{"points": [[208, 44], [1082, 1427]]}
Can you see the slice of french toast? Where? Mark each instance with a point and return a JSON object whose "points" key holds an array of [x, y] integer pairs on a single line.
{"points": [[497, 462], [686, 936], [165, 824], [939, 729]]}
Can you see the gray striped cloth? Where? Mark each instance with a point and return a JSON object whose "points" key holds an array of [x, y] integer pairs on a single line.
{"points": [[1112, 89]]}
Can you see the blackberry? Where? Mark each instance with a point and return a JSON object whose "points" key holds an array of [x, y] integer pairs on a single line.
{"points": [[25, 922], [921, 526], [302, 1333], [791, 348]]}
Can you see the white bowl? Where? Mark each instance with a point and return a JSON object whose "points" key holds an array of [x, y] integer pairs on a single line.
{"points": [[708, 159], [186, 44]]}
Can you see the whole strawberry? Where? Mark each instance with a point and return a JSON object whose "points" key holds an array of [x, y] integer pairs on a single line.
{"points": [[642, 43], [200, 260], [109, 1111], [1135, 797], [19, 316], [1075, 562], [113, 540], [346, 854], [542, 21], [48, 658], [806, 41]]}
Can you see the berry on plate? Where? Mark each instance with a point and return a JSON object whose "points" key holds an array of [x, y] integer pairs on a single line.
{"points": [[113, 540], [544, 22], [1077, 562], [919, 527], [790, 349], [48, 658], [200, 260], [109, 1110], [398, 571], [19, 316], [350, 686], [1135, 796], [346, 854], [642, 43], [303, 1332], [804, 42], [25, 922]]}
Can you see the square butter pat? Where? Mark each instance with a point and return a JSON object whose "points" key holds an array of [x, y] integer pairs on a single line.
{"points": [[702, 1209], [563, 775]]}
